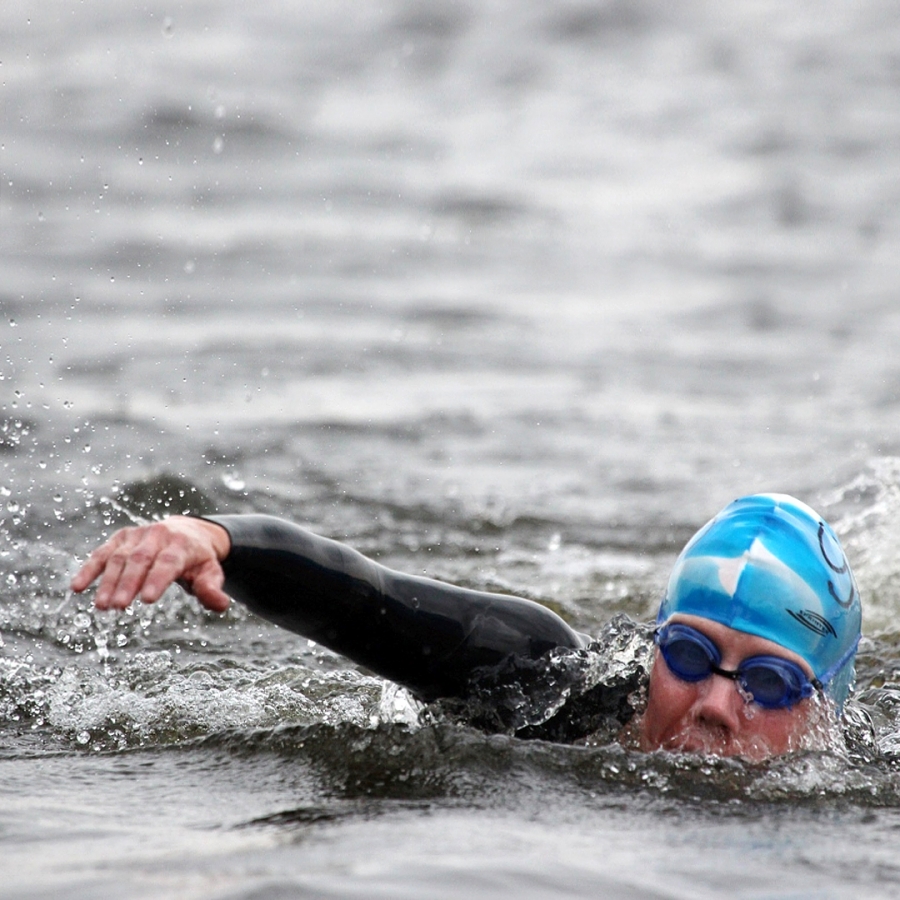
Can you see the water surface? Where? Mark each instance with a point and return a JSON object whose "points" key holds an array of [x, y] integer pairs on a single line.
{"points": [[512, 295]]}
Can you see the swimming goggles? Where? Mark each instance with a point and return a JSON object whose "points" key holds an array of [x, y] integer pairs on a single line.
{"points": [[772, 682]]}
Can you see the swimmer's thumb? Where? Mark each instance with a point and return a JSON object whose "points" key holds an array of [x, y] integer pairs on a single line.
{"points": [[207, 588]]}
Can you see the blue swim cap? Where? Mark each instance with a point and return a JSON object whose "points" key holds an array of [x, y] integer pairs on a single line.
{"points": [[768, 565]]}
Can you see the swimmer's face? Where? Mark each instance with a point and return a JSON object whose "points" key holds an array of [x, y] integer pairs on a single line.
{"points": [[711, 716]]}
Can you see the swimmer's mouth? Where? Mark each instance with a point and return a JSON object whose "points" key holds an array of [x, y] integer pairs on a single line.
{"points": [[683, 744], [718, 745]]}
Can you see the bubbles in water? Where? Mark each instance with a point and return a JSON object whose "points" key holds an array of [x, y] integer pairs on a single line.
{"points": [[397, 706], [566, 695], [101, 642]]}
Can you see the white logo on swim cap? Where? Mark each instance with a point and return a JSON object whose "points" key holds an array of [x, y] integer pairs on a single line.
{"points": [[731, 569]]}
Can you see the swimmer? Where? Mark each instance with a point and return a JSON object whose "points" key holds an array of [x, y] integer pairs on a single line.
{"points": [[756, 634]]}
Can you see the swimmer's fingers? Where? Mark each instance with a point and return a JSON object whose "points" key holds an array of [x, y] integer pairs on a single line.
{"points": [[94, 565], [148, 577], [144, 561], [206, 585], [106, 563], [143, 564]]}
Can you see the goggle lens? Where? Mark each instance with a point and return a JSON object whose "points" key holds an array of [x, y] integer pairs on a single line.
{"points": [[688, 658]]}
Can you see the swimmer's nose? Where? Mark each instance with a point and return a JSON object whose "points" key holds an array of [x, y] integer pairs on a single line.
{"points": [[719, 703]]}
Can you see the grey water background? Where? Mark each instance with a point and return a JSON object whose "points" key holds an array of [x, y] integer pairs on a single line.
{"points": [[515, 294]]}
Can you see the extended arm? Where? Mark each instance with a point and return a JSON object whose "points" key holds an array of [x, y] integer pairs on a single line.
{"points": [[421, 633], [424, 634]]}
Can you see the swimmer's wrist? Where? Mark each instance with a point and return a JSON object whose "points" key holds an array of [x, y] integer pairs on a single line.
{"points": [[218, 534]]}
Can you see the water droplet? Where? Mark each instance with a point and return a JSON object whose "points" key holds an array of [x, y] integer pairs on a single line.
{"points": [[11, 579], [234, 482], [83, 738], [82, 620]]}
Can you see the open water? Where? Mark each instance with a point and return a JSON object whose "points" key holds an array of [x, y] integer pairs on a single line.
{"points": [[513, 293]]}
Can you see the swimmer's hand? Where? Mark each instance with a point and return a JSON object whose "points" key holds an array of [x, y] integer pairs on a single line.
{"points": [[142, 562]]}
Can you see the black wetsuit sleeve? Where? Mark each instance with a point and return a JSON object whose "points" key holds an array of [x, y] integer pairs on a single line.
{"points": [[424, 634]]}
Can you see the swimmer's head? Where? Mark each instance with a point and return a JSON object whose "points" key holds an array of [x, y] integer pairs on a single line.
{"points": [[768, 565]]}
